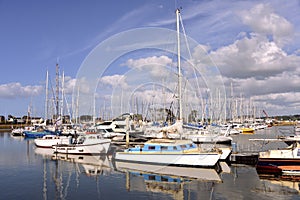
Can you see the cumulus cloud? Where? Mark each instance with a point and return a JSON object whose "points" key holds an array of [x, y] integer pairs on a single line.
{"points": [[284, 102], [155, 65], [16, 90], [139, 63], [258, 63], [263, 20], [114, 80], [253, 57], [285, 82]]}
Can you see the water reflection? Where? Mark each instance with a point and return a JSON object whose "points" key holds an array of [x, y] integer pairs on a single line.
{"points": [[182, 173], [93, 165], [278, 188], [44, 175], [177, 187], [65, 170], [178, 182]]}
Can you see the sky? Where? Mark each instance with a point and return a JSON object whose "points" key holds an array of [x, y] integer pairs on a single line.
{"points": [[253, 45]]}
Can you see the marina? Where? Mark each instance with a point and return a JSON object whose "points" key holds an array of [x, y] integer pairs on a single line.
{"points": [[43, 174], [154, 104]]}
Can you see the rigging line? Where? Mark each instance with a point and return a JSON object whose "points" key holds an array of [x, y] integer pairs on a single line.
{"points": [[190, 57], [189, 51]]}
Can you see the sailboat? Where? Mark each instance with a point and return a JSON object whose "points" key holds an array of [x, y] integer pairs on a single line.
{"points": [[171, 152]]}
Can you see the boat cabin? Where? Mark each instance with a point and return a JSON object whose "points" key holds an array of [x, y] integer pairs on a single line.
{"points": [[152, 146]]}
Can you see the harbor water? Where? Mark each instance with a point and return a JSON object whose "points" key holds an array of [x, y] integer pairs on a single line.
{"points": [[28, 172]]}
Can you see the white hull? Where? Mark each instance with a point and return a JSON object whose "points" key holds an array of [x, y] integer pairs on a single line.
{"points": [[96, 148], [177, 159], [49, 141], [226, 152], [210, 139]]}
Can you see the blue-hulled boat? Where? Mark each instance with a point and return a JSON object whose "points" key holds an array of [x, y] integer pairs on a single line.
{"points": [[39, 134]]}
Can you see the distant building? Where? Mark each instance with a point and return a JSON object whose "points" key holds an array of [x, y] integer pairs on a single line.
{"points": [[15, 120]]}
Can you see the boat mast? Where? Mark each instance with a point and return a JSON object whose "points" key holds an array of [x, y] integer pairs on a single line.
{"points": [[57, 91], [94, 110], [62, 94], [46, 100], [179, 67]]}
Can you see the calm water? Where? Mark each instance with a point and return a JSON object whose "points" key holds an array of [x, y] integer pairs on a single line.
{"points": [[27, 172]]}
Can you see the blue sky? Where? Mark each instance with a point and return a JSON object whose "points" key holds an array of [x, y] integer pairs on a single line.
{"points": [[254, 44]]}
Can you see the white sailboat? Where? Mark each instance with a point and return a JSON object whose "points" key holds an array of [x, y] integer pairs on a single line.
{"points": [[171, 152]]}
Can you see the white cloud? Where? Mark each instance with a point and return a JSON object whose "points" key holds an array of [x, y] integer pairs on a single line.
{"points": [[253, 57], [156, 66], [263, 20], [114, 80], [284, 103], [16, 90], [285, 82], [154, 60]]}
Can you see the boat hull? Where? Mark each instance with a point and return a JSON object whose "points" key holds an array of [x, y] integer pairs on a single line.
{"points": [[247, 131], [172, 159], [88, 149], [205, 140], [48, 143], [278, 162], [39, 134], [226, 152]]}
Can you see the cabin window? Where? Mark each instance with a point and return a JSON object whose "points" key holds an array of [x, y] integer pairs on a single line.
{"points": [[151, 148], [81, 140], [183, 146], [151, 177], [164, 179], [164, 148]]}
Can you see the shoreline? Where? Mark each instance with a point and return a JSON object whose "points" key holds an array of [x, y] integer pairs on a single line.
{"points": [[9, 127]]}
